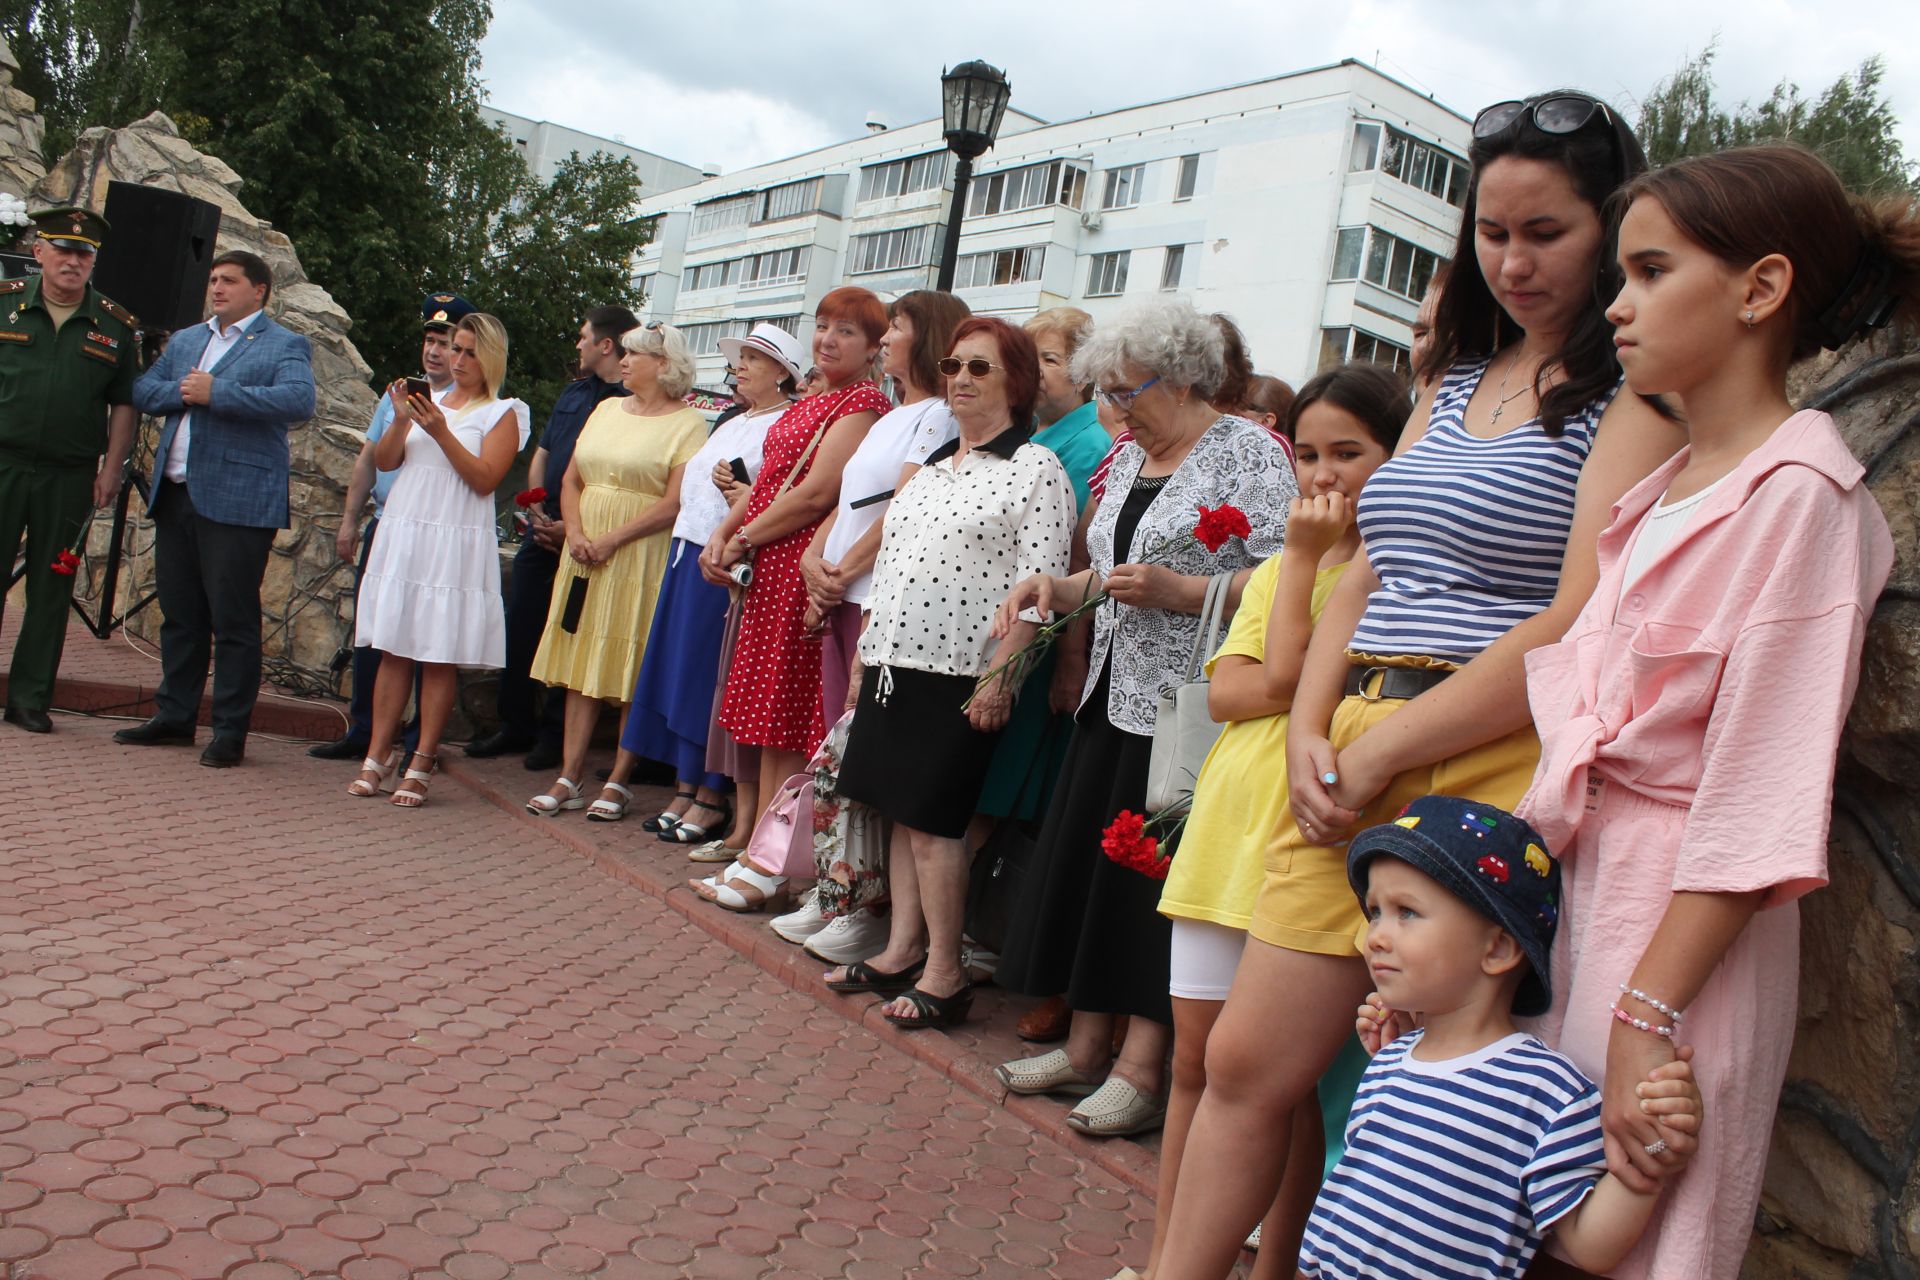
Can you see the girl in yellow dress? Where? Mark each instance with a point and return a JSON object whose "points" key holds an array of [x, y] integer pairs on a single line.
{"points": [[618, 501]]}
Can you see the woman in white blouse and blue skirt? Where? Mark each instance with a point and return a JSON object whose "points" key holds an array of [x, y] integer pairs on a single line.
{"points": [[988, 510], [1086, 925]]}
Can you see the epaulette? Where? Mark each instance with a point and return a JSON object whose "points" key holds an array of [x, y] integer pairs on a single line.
{"points": [[12, 286], [118, 312]]}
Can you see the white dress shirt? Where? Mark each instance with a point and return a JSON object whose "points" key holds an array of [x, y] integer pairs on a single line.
{"points": [[218, 345]]}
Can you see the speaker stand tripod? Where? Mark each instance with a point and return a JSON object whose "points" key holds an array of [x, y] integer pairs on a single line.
{"points": [[105, 623]]}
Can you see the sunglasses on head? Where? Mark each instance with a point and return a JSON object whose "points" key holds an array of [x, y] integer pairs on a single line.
{"points": [[951, 367], [1558, 114]]}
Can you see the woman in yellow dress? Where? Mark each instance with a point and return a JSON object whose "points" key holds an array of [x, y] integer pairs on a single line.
{"points": [[618, 502]]}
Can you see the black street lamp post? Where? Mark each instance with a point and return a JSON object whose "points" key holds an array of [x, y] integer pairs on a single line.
{"points": [[975, 97]]}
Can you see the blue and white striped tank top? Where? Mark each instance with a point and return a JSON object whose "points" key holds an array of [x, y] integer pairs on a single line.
{"points": [[1466, 535]]}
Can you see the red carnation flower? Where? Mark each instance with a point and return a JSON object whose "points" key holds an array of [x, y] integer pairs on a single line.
{"points": [[62, 568], [1217, 524], [1126, 842], [529, 498]]}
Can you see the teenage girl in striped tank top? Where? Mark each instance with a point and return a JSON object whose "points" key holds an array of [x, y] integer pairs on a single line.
{"points": [[1478, 546]]}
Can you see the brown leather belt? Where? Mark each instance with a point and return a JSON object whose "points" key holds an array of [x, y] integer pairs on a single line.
{"points": [[1395, 682]]}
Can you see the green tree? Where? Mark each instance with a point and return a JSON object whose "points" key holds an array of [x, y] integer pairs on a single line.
{"points": [[83, 61], [557, 251], [1851, 124]]}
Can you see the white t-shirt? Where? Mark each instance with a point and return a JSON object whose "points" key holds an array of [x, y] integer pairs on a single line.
{"points": [[703, 507], [1657, 531], [909, 434]]}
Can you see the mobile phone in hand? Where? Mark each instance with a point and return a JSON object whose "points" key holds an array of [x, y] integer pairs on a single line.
{"points": [[739, 468], [419, 387]]}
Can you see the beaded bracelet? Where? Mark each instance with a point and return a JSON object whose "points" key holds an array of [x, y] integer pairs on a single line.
{"points": [[1652, 1003], [1621, 1015]]}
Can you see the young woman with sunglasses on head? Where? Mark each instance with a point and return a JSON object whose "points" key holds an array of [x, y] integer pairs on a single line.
{"points": [[1477, 546], [1691, 718]]}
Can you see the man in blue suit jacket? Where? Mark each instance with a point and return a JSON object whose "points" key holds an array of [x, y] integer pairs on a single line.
{"points": [[230, 390]]}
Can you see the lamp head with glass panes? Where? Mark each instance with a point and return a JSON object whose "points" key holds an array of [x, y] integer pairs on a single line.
{"points": [[975, 97]]}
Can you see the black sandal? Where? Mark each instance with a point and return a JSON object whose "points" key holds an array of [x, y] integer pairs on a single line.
{"points": [[933, 1011], [666, 821], [684, 832], [862, 976]]}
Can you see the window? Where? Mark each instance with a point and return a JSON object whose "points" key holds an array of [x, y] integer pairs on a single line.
{"points": [[1108, 275], [719, 215], [1396, 265], [903, 177], [1174, 267], [1054, 182], [788, 201], [1418, 164], [1189, 178], [1123, 187], [1347, 248], [1341, 346], [1003, 266], [790, 323], [712, 275], [890, 250], [782, 266], [704, 339]]}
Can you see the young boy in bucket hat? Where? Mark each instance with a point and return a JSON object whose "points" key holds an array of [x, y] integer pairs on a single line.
{"points": [[1469, 1140]]}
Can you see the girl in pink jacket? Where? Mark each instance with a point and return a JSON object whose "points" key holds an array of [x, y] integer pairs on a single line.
{"points": [[1690, 719]]}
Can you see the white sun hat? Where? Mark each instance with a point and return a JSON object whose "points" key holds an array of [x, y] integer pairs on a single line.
{"points": [[768, 339]]}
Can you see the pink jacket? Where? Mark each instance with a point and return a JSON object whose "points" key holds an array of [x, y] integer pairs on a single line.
{"points": [[1721, 681]]}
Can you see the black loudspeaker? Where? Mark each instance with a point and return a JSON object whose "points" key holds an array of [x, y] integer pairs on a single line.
{"points": [[157, 257]]}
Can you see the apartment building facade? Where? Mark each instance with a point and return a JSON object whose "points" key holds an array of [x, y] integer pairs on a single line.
{"points": [[1312, 207]]}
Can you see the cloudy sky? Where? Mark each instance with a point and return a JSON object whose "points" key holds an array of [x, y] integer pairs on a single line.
{"points": [[738, 82]]}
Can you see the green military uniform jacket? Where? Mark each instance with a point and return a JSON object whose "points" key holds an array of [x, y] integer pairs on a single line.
{"points": [[55, 387]]}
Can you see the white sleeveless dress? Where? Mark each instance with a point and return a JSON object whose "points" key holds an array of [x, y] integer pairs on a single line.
{"points": [[431, 591]]}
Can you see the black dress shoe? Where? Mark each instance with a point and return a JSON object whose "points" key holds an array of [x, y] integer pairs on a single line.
{"points": [[154, 733], [542, 757], [224, 753], [30, 720], [347, 748], [498, 743]]}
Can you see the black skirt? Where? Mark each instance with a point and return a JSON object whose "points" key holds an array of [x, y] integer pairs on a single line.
{"points": [[912, 754], [1086, 926]]}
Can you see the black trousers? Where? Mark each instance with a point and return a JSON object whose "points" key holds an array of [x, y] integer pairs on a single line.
{"points": [[209, 577], [366, 665], [528, 596]]}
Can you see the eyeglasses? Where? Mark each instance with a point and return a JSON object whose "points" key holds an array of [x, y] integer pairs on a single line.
{"points": [[1560, 114], [1122, 400], [950, 367]]}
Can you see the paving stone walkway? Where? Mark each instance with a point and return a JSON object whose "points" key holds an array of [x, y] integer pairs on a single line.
{"points": [[253, 1029]]}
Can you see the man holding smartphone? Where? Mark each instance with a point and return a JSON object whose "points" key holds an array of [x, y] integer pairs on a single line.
{"points": [[439, 313], [524, 724]]}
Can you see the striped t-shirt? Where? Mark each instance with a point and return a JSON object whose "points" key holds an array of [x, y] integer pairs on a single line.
{"points": [[1454, 1170], [1465, 534]]}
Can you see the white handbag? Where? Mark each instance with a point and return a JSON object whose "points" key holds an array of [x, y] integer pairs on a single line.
{"points": [[1184, 731]]}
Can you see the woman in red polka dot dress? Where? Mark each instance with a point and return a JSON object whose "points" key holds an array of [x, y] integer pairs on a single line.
{"points": [[772, 699]]}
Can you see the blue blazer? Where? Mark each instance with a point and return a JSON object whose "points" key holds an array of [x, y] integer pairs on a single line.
{"points": [[237, 456]]}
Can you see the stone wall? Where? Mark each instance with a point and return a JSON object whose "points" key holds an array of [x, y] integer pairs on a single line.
{"points": [[308, 592], [21, 133]]}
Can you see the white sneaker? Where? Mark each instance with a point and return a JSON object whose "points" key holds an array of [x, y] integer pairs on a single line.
{"points": [[798, 926], [859, 935]]}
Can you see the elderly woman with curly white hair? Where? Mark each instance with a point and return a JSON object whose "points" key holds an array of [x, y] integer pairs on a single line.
{"points": [[618, 501], [1086, 925]]}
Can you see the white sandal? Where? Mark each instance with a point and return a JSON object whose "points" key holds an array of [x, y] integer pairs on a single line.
{"points": [[770, 892], [546, 806], [414, 799], [605, 810], [383, 773]]}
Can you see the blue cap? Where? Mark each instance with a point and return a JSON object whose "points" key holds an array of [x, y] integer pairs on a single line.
{"points": [[444, 310], [1487, 858]]}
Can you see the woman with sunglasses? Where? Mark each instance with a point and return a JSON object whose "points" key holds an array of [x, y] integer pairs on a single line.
{"points": [[988, 509], [1477, 546], [1086, 925]]}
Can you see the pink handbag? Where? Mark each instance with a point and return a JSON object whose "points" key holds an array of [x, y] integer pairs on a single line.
{"points": [[782, 842]]}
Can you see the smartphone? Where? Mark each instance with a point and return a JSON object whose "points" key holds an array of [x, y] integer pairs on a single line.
{"points": [[419, 387], [576, 601], [739, 466]]}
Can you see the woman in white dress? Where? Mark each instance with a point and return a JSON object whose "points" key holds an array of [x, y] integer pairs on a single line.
{"points": [[431, 594]]}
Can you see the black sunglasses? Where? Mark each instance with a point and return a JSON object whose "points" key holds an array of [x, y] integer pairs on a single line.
{"points": [[1560, 114]]}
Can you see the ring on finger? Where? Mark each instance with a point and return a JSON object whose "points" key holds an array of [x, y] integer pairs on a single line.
{"points": [[1656, 1148]]}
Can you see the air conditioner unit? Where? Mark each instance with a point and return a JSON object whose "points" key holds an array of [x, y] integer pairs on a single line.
{"points": [[1090, 220]]}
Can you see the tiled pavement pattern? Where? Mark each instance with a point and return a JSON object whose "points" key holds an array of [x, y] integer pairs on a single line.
{"points": [[253, 1029]]}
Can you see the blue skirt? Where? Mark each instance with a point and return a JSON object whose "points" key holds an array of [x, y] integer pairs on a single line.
{"points": [[673, 695]]}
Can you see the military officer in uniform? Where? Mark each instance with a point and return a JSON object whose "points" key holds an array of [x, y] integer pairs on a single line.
{"points": [[67, 364]]}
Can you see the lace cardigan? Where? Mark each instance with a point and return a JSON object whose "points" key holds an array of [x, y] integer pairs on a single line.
{"points": [[1235, 461]]}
